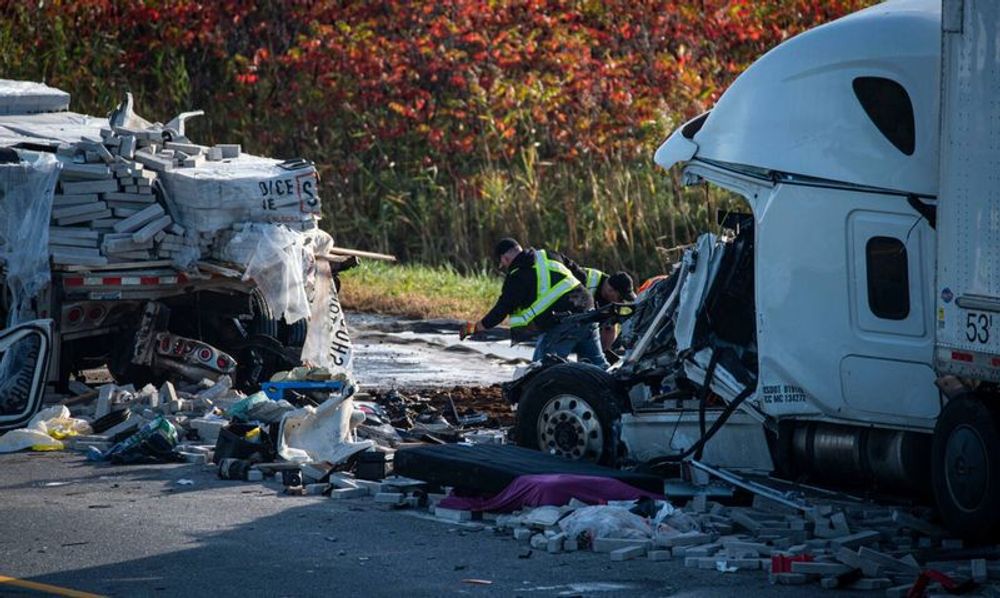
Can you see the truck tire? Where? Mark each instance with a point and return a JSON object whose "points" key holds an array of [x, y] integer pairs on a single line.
{"points": [[263, 321], [966, 468], [294, 335], [570, 410]]}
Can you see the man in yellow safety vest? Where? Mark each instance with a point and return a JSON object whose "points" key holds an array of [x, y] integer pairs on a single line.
{"points": [[538, 287], [617, 288]]}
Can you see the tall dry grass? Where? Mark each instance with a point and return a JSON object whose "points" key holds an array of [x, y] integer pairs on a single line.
{"points": [[608, 214]]}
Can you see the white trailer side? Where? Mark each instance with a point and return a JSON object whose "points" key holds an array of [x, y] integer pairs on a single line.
{"points": [[968, 208]]}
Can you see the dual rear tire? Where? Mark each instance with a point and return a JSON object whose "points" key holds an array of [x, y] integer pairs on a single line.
{"points": [[570, 410], [965, 467]]}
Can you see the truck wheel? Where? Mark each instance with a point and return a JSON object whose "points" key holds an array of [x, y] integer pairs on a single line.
{"points": [[263, 321], [966, 468], [569, 410]]}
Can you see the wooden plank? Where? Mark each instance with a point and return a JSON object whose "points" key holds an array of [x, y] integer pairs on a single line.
{"points": [[216, 269], [359, 253]]}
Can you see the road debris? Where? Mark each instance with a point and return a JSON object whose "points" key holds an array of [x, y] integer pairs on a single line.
{"points": [[789, 536]]}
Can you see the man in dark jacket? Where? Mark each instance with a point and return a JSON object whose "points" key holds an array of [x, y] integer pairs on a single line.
{"points": [[540, 285], [616, 288]]}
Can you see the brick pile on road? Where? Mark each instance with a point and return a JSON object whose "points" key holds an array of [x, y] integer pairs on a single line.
{"points": [[853, 547]]}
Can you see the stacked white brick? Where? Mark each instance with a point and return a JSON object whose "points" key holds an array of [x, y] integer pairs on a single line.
{"points": [[105, 210]]}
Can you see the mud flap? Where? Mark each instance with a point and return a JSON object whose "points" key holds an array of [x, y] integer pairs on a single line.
{"points": [[24, 366]]}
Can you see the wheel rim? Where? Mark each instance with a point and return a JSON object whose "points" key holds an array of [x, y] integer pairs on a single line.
{"points": [[569, 427], [967, 468]]}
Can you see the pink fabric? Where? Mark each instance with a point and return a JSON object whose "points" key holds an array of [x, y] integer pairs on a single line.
{"points": [[550, 489]]}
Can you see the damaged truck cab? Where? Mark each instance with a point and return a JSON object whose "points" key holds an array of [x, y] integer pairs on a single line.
{"points": [[817, 313], [831, 139]]}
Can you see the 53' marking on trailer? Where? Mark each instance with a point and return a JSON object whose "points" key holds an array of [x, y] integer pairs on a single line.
{"points": [[978, 327]]}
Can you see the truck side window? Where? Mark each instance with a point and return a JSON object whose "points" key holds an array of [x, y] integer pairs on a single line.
{"points": [[888, 106], [888, 278]]}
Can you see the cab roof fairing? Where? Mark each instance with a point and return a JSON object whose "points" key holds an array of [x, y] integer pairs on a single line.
{"points": [[795, 111]]}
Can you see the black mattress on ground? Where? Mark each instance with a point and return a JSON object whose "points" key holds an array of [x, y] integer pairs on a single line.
{"points": [[488, 469]]}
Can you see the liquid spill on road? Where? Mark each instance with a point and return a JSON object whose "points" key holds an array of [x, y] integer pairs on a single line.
{"points": [[395, 353]]}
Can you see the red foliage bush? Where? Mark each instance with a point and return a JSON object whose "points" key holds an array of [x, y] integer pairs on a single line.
{"points": [[460, 86]]}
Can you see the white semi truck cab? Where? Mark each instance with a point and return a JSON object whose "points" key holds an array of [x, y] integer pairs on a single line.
{"points": [[852, 310]]}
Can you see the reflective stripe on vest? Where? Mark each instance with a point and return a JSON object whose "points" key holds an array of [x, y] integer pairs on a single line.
{"points": [[547, 294], [593, 280]]}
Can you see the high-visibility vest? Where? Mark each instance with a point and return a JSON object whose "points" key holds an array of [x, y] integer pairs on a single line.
{"points": [[546, 293], [593, 280]]}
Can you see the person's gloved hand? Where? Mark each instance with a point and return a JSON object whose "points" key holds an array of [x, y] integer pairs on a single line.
{"points": [[467, 330]]}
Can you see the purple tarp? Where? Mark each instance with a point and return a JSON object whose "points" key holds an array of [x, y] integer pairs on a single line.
{"points": [[549, 489]]}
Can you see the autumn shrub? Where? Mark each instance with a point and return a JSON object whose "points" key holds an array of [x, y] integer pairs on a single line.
{"points": [[437, 126]]}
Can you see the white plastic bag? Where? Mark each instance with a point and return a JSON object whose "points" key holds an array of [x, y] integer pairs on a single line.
{"points": [[57, 422], [43, 430], [605, 522], [26, 438]]}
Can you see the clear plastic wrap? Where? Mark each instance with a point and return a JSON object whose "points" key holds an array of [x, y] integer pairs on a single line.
{"points": [[276, 267], [26, 190]]}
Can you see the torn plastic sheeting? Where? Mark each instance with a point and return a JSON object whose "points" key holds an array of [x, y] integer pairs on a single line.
{"points": [[552, 489], [26, 195], [606, 522], [276, 267], [44, 432], [328, 343], [323, 433], [26, 192]]}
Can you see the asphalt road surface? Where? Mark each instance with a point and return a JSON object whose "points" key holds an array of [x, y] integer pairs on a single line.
{"points": [[142, 531]]}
